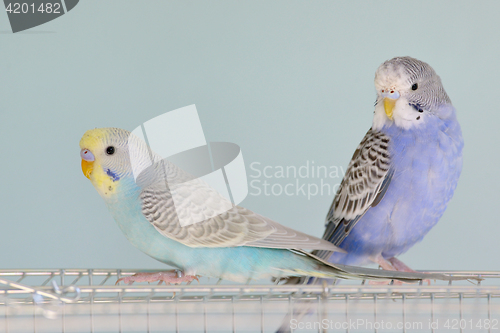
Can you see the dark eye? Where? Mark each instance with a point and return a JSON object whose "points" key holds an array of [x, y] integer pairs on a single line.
{"points": [[414, 86], [110, 150]]}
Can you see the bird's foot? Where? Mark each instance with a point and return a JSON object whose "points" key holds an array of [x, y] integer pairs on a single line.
{"points": [[393, 264], [173, 276], [399, 265]]}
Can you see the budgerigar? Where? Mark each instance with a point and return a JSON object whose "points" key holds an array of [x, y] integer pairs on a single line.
{"points": [[402, 174], [236, 245]]}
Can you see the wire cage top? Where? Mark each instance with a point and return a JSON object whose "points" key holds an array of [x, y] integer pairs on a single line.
{"points": [[87, 300]]}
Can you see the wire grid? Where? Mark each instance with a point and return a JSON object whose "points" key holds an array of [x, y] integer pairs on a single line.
{"points": [[86, 300]]}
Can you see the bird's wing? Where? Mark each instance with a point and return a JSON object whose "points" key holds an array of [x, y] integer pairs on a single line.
{"points": [[209, 220], [364, 185]]}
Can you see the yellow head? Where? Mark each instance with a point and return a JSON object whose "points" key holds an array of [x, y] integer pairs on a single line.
{"points": [[105, 160]]}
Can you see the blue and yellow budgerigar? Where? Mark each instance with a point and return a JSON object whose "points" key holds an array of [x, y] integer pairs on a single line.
{"points": [[237, 245]]}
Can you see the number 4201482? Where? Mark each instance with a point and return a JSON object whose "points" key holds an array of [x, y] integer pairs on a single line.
{"points": [[24, 8]]}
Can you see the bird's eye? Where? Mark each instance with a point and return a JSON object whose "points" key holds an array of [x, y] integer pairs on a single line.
{"points": [[110, 150], [414, 86]]}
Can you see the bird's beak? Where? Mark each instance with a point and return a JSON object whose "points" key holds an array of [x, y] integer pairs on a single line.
{"points": [[87, 168], [87, 162], [390, 98], [389, 104]]}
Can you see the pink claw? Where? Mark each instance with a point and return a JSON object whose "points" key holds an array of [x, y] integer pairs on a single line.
{"points": [[393, 264], [167, 277]]}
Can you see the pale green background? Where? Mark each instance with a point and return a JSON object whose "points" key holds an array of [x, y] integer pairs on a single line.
{"points": [[288, 81]]}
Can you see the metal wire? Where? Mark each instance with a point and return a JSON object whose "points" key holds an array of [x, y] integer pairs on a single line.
{"points": [[86, 300]]}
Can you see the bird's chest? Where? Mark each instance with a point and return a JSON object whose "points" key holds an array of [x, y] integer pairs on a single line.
{"points": [[426, 170]]}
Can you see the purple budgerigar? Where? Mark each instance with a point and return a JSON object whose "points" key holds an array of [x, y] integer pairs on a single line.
{"points": [[400, 178], [403, 173]]}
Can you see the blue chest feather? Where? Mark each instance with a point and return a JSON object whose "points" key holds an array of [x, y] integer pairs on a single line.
{"points": [[427, 162]]}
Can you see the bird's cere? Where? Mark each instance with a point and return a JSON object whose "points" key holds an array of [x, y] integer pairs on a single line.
{"points": [[392, 94], [87, 155]]}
